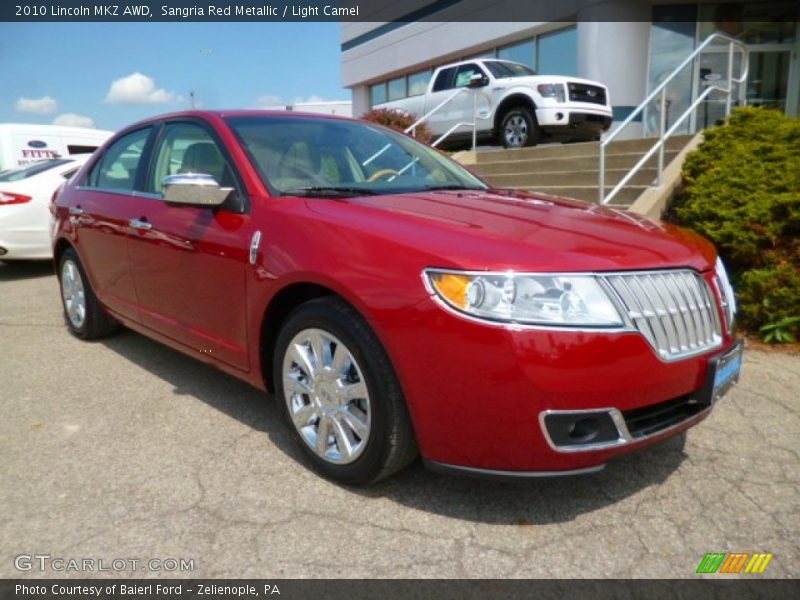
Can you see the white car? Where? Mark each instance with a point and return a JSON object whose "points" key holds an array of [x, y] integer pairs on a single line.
{"points": [[25, 217]]}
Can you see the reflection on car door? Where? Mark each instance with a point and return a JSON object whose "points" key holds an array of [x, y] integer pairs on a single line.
{"points": [[189, 262], [105, 206]]}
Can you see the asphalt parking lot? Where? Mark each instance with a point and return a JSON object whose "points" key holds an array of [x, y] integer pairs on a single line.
{"points": [[124, 449]]}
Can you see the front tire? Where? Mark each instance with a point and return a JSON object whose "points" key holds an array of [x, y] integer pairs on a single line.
{"points": [[339, 394], [83, 313], [518, 128]]}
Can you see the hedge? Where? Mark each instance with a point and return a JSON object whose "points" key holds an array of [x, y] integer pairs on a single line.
{"points": [[399, 120], [742, 190]]}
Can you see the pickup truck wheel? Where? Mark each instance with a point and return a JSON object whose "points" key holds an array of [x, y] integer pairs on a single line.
{"points": [[339, 394], [518, 128], [85, 317]]}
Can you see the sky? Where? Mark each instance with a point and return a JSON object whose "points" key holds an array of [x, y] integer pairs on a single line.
{"points": [[109, 75]]}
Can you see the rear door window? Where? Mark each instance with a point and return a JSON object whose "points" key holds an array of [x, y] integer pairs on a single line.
{"points": [[444, 80], [120, 165]]}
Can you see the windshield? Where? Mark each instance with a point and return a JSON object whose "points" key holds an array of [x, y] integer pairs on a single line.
{"points": [[308, 156], [31, 169], [508, 69]]}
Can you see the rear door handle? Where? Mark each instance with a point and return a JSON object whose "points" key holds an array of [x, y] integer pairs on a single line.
{"points": [[140, 224], [75, 210]]}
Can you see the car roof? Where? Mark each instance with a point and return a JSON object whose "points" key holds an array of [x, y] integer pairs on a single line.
{"points": [[222, 114]]}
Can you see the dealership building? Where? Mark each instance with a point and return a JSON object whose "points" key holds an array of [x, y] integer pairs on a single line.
{"points": [[630, 54]]}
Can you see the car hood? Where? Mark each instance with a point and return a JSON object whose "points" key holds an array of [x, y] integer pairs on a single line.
{"points": [[511, 230], [532, 80]]}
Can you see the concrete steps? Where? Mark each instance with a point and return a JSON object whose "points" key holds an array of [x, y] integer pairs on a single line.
{"points": [[572, 170]]}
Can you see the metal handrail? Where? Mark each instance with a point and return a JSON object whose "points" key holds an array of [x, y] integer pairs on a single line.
{"points": [[412, 128], [475, 91], [664, 133]]}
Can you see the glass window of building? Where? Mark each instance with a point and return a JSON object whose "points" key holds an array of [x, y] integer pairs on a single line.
{"points": [[752, 22], [377, 94], [522, 52], [672, 39], [418, 83], [490, 53], [397, 88], [558, 53]]}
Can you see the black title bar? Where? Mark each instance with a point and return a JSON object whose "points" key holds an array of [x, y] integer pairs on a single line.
{"points": [[360, 10]]}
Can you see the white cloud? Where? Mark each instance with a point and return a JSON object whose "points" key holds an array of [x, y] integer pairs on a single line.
{"points": [[312, 98], [269, 101], [73, 120], [40, 106], [138, 89]]}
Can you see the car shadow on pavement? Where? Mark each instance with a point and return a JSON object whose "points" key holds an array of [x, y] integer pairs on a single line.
{"points": [[13, 270], [522, 503]]}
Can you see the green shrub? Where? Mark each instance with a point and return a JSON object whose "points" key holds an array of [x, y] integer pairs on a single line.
{"points": [[399, 120], [742, 190]]}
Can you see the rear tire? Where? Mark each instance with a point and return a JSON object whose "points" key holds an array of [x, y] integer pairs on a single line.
{"points": [[84, 315], [518, 128], [340, 395]]}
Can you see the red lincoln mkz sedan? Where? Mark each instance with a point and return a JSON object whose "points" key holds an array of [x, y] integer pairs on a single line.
{"points": [[391, 300]]}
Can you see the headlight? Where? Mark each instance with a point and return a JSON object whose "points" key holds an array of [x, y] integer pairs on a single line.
{"points": [[552, 90], [726, 293], [541, 299]]}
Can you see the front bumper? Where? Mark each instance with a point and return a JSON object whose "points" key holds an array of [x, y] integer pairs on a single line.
{"points": [[571, 120], [478, 395]]}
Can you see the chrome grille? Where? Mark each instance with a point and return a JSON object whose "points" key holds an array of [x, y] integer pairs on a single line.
{"points": [[674, 310], [582, 92]]}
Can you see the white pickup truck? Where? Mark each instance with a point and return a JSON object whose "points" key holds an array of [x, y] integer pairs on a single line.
{"points": [[516, 107]]}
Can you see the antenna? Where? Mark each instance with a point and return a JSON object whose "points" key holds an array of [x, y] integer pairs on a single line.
{"points": [[191, 98]]}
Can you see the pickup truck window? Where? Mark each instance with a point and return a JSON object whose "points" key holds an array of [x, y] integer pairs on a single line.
{"points": [[444, 80], [307, 156], [505, 69], [465, 73]]}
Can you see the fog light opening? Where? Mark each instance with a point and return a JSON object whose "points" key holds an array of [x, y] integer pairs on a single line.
{"points": [[559, 116], [584, 430]]}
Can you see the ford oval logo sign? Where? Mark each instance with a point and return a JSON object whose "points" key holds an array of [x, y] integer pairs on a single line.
{"points": [[37, 144]]}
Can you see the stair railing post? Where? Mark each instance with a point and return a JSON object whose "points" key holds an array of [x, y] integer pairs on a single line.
{"points": [[601, 190], [474, 119], [730, 81], [662, 125]]}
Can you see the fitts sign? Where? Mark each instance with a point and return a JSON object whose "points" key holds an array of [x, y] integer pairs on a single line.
{"points": [[734, 562]]}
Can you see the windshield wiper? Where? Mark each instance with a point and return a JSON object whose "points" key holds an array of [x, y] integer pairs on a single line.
{"points": [[329, 191], [451, 187]]}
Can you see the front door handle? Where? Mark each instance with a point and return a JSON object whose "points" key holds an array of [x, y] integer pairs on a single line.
{"points": [[140, 224]]}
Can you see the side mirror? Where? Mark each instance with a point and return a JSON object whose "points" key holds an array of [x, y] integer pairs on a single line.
{"points": [[478, 81], [197, 189]]}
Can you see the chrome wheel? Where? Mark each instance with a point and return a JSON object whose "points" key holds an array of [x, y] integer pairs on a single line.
{"points": [[326, 396], [516, 131], [73, 293]]}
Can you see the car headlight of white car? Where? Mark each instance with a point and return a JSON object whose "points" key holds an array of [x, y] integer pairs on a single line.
{"points": [[568, 300], [552, 90]]}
